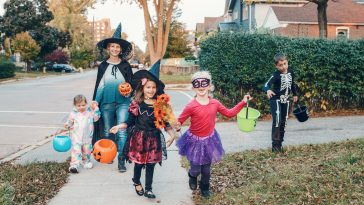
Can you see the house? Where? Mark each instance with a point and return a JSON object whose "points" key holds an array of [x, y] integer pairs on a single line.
{"points": [[248, 15], [345, 19], [210, 24]]}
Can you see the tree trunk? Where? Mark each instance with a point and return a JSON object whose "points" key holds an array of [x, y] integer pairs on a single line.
{"points": [[322, 18], [157, 38]]}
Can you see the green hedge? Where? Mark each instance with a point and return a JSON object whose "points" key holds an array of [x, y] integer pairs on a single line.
{"points": [[329, 73], [7, 68]]}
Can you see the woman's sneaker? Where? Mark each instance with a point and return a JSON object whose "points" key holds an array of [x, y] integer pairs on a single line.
{"points": [[73, 169]]}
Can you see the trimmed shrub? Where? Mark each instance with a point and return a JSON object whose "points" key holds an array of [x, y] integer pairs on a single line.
{"points": [[7, 68], [329, 73]]}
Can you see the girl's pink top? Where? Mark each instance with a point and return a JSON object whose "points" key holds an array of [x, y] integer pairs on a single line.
{"points": [[203, 116]]}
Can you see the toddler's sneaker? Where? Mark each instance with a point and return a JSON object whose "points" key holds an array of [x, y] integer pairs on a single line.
{"points": [[73, 169], [87, 165]]}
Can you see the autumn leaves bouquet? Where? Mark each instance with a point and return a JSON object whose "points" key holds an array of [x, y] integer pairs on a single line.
{"points": [[163, 112]]}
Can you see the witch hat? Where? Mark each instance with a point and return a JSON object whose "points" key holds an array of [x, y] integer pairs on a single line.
{"points": [[126, 46], [155, 68]]}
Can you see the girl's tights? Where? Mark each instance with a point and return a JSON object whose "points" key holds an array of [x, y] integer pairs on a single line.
{"points": [[205, 171], [148, 174]]}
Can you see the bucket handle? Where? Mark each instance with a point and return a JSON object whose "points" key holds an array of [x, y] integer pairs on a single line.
{"points": [[297, 105], [247, 109], [61, 130]]}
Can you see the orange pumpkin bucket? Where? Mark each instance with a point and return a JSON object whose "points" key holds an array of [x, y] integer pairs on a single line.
{"points": [[104, 151], [125, 89]]}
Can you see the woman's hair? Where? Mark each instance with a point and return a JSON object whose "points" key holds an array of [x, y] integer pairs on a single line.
{"points": [[201, 74], [79, 99], [139, 94]]}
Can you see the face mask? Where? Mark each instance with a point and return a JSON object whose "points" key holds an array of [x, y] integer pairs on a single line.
{"points": [[201, 82]]}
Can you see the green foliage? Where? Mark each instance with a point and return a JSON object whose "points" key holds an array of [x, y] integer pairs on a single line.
{"points": [[49, 39], [82, 58], [177, 41], [24, 15], [7, 68], [6, 194], [329, 73]]}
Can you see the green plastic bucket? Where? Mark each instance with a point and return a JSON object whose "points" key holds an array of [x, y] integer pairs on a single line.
{"points": [[248, 123]]}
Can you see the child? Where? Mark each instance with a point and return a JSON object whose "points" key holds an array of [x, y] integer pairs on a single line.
{"points": [[145, 144], [278, 88], [201, 143], [80, 122]]}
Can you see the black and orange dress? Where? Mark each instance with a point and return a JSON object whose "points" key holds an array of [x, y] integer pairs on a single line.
{"points": [[145, 143]]}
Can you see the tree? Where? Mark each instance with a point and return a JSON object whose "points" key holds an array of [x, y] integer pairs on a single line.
{"points": [[24, 15], [21, 16], [27, 47], [157, 31], [139, 54], [177, 42], [69, 17], [50, 38], [57, 56], [321, 16]]}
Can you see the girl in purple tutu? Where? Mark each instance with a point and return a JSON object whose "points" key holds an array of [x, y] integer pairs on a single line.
{"points": [[201, 143]]}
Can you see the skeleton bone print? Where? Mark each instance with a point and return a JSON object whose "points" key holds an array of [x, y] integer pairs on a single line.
{"points": [[286, 83]]}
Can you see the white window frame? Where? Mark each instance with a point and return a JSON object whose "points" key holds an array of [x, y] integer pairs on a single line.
{"points": [[343, 28]]}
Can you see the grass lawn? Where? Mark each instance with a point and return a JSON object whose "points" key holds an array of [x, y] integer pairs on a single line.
{"points": [[176, 78], [30, 74], [309, 174], [35, 183]]}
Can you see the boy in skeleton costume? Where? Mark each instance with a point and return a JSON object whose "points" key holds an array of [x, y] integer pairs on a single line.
{"points": [[278, 88]]}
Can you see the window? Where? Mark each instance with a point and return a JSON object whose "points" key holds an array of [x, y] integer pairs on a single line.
{"points": [[342, 32]]}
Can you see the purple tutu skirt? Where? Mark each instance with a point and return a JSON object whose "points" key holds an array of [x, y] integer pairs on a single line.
{"points": [[201, 150]]}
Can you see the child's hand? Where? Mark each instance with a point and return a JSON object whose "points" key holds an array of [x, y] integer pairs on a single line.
{"points": [[169, 141], [247, 97], [177, 126], [295, 98], [270, 94], [94, 105], [116, 128]]}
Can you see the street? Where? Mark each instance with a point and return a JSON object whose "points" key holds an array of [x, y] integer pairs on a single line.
{"points": [[31, 110]]}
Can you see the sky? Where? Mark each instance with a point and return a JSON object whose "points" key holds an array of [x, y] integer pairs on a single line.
{"points": [[132, 20]]}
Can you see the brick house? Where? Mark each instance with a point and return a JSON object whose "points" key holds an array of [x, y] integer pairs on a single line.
{"points": [[345, 20]]}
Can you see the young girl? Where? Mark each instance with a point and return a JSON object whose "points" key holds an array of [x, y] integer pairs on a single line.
{"points": [[201, 143], [145, 145], [80, 122]]}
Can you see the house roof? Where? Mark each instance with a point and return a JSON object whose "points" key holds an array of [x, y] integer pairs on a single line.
{"points": [[339, 11], [211, 23]]}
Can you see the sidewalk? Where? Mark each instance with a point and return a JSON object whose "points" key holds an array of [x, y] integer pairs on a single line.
{"points": [[104, 185]]}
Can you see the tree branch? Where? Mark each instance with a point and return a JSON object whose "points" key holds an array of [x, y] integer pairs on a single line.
{"points": [[168, 26]]}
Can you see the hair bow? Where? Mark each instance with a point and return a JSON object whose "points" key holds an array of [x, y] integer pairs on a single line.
{"points": [[144, 80]]}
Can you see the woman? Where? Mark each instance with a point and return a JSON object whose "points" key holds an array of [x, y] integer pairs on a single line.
{"points": [[113, 106]]}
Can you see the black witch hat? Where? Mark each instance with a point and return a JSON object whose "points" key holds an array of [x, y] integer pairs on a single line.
{"points": [[126, 46]]}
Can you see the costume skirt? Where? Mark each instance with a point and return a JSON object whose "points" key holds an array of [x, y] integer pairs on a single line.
{"points": [[145, 146], [201, 150]]}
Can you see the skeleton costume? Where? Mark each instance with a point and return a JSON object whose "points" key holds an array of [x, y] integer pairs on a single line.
{"points": [[282, 84]]}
